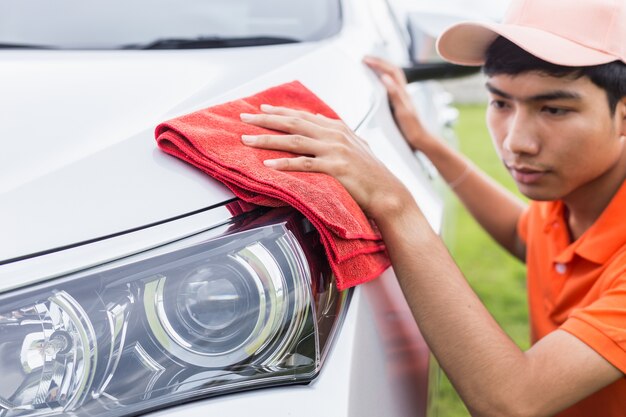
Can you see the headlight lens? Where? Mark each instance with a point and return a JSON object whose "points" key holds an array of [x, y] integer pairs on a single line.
{"points": [[50, 354], [249, 306]]}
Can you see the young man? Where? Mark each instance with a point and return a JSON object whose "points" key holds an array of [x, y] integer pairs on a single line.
{"points": [[556, 75]]}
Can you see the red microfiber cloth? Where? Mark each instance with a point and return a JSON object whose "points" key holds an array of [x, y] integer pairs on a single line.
{"points": [[210, 139]]}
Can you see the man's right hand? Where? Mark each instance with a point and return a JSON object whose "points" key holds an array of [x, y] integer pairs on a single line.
{"points": [[403, 110]]}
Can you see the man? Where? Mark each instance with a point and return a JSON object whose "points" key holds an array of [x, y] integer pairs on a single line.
{"points": [[556, 76]]}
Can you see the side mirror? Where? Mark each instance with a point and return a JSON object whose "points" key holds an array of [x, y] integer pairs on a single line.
{"points": [[437, 71], [424, 26]]}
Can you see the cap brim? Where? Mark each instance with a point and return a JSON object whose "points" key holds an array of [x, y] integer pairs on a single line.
{"points": [[466, 43]]}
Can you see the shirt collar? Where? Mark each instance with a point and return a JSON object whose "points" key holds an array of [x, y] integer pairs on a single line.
{"points": [[605, 236]]}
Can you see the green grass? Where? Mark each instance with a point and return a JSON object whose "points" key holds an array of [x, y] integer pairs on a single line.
{"points": [[497, 277]]}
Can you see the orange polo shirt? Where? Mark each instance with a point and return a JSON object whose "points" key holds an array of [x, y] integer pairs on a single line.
{"points": [[580, 287]]}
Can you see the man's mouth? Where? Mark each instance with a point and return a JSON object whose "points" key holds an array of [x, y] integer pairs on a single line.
{"points": [[526, 175]]}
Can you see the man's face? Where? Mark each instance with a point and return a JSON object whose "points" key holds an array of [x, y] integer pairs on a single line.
{"points": [[556, 136]]}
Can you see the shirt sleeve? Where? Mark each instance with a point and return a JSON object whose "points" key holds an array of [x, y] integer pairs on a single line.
{"points": [[602, 324]]}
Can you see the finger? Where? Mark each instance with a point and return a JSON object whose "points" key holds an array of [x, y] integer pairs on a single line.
{"points": [[394, 91], [288, 124], [377, 63], [317, 118], [290, 143], [302, 163], [382, 67], [287, 111]]}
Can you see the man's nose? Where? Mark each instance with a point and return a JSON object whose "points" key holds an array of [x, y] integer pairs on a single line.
{"points": [[521, 136]]}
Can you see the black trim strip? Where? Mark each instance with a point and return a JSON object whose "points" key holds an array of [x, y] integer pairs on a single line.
{"points": [[97, 239]]}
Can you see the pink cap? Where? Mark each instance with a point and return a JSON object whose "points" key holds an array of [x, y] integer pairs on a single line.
{"points": [[573, 33]]}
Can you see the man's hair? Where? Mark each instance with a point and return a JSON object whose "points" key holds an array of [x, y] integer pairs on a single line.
{"points": [[504, 57]]}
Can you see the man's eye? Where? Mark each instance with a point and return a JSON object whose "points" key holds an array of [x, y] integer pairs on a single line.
{"points": [[498, 104], [555, 111]]}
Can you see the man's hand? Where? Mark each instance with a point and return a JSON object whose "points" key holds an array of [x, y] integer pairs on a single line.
{"points": [[328, 146], [403, 110]]}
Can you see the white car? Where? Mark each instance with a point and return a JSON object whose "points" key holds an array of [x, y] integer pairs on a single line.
{"points": [[129, 283]]}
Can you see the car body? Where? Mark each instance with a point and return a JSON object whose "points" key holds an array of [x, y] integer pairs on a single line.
{"points": [[96, 221]]}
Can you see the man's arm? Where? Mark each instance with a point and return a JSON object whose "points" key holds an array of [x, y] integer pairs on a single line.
{"points": [[494, 208], [492, 375]]}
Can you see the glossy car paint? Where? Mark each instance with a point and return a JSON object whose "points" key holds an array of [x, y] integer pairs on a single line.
{"points": [[82, 183]]}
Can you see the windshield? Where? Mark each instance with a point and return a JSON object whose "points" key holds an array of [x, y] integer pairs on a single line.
{"points": [[114, 24]]}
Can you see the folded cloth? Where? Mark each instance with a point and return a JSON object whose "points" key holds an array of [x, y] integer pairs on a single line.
{"points": [[210, 139]]}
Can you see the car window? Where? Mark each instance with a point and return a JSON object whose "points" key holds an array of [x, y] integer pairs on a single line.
{"points": [[120, 23]]}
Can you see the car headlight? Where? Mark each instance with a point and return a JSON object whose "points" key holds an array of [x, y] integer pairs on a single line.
{"points": [[238, 308]]}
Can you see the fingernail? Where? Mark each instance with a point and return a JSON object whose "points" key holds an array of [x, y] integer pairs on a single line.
{"points": [[270, 163], [246, 117], [267, 107], [386, 79], [248, 139]]}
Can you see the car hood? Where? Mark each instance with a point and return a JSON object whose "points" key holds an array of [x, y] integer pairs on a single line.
{"points": [[79, 161]]}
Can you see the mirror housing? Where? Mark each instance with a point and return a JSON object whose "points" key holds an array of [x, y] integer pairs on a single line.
{"points": [[424, 26], [437, 71]]}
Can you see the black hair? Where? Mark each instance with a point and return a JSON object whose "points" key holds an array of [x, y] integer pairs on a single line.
{"points": [[505, 57]]}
